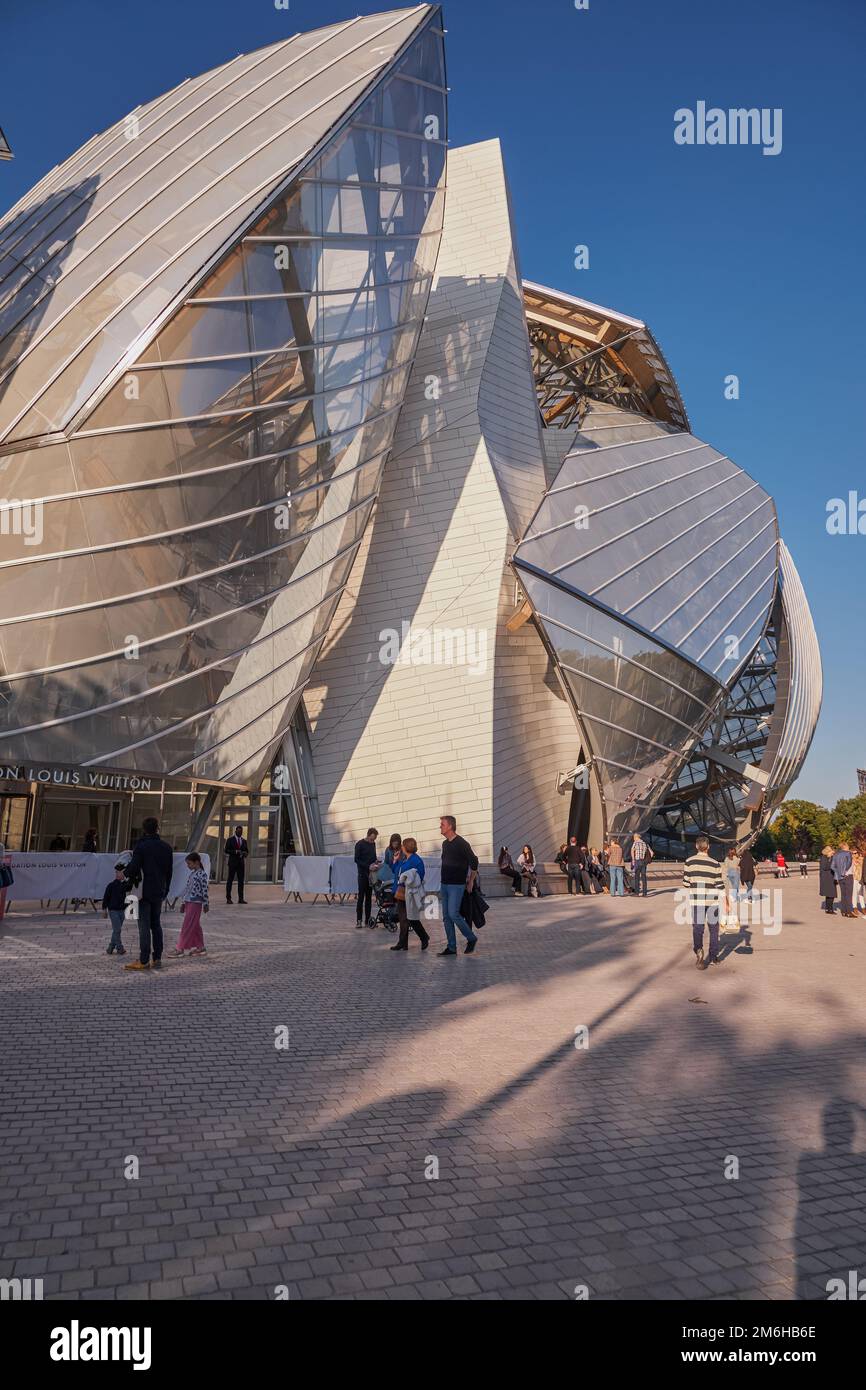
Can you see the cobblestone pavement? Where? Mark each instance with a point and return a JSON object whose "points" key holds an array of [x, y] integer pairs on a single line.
{"points": [[608, 1166]]}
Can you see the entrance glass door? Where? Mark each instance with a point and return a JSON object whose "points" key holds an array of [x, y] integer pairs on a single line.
{"points": [[259, 829]]}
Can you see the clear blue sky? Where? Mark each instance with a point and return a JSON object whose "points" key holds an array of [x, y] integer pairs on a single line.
{"points": [[741, 263]]}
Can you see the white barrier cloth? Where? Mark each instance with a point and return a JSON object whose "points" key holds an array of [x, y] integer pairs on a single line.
{"points": [[344, 874], [71, 875], [307, 873], [338, 873]]}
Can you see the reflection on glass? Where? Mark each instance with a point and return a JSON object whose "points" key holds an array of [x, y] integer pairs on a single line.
{"points": [[282, 377], [641, 707]]}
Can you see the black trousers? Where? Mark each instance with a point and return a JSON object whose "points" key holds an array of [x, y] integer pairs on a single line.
{"points": [[365, 894], [236, 871], [639, 873], [573, 878], [149, 926], [405, 924], [846, 893], [830, 903], [515, 879]]}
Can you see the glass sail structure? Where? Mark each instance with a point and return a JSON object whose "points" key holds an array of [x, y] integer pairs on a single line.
{"points": [[655, 576], [206, 331]]}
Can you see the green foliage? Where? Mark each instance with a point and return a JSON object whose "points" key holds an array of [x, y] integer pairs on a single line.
{"points": [[848, 819], [804, 825]]}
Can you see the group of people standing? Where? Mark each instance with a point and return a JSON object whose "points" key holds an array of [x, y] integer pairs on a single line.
{"points": [[406, 869], [842, 873], [613, 869]]}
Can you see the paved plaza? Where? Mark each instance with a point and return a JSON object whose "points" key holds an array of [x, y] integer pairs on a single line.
{"points": [[709, 1142]]}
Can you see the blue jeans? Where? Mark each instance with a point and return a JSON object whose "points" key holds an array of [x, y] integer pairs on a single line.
{"points": [[638, 871], [116, 917], [616, 885], [452, 897]]}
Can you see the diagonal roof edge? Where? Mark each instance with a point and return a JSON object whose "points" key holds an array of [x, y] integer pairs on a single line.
{"points": [[601, 311], [420, 16]]}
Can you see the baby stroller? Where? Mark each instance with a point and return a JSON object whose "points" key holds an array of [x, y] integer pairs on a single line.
{"points": [[386, 907]]}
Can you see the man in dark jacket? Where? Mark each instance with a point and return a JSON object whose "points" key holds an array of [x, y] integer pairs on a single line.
{"points": [[236, 850], [574, 864], [459, 868], [152, 863], [365, 858]]}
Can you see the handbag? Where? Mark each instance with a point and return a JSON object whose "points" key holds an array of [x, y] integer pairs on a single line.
{"points": [[400, 894]]}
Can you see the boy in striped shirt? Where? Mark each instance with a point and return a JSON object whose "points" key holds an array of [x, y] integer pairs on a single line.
{"points": [[702, 877]]}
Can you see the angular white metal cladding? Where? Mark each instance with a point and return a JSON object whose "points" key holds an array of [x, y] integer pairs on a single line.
{"points": [[661, 529], [800, 681], [200, 521], [467, 718], [98, 252]]}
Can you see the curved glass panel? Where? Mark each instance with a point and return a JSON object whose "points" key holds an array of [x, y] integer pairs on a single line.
{"points": [[208, 510], [666, 532], [113, 235], [641, 708]]}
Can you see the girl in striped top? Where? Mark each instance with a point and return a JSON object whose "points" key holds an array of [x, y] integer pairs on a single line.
{"points": [[195, 897]]}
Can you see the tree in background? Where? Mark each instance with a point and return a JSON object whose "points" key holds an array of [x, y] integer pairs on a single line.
{"points": [[848, 819], [803, 825]]}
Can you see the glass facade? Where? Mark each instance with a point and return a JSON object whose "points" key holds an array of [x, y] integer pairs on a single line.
{"points": [[657, 580], [106, 243], [640, 707], [668, 533], [768, 721], [710, 797], [199, 524]]}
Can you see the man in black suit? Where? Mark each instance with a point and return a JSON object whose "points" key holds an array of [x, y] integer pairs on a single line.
{"points": [[152, 862], [236, 849]]}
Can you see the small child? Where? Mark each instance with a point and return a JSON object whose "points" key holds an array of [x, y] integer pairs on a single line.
{"points": [[195, 898], [114, 906]]}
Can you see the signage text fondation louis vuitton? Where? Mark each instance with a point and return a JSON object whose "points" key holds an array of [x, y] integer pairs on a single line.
{"points": [[74, 777]]}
